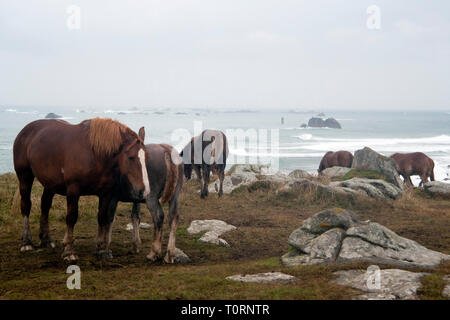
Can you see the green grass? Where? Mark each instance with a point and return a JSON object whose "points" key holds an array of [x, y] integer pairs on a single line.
{"points": [[367, 174]]}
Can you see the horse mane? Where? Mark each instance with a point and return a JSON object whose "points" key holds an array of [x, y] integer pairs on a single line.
{"points": [[106, 136]]}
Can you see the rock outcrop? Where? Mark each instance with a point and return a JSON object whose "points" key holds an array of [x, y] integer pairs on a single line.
{"points": [[298, 174], [367, 159], [372, 188], [437, 187], [269, 277], [336, 236], [394, 284], [316, 122], [52, 115], [334, 172], [245, 175], [213, 228]]}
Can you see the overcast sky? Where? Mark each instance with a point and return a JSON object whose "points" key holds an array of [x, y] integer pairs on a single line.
{"points": [[226, 54]]}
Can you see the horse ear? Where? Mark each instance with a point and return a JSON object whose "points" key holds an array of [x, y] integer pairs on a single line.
{"points": [[142, 133]]}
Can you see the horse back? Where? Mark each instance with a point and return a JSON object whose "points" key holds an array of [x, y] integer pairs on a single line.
{"points": [[53, 150]]}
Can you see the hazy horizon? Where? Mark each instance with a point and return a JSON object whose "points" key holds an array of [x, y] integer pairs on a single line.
{"points": [[252, 55]]}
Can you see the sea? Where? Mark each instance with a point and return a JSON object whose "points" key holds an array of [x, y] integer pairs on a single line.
{"points": [[272, 137]]}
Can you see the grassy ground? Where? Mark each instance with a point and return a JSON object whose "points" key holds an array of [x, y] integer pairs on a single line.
{"points": [[264, 220]]}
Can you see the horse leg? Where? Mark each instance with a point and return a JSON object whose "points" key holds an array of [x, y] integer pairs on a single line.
{"points": [[26, 179], [157, 212], [173, 222], [71, 219], [221, 177], [136, 220], [424, 179], [46, 204], [198, 173], [205, 181], [107, 209]]}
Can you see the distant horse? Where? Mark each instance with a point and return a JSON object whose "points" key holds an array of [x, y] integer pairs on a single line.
{"points": [[416, 163], [165, 173], [204, 153], [333, 159], [98, 157]]}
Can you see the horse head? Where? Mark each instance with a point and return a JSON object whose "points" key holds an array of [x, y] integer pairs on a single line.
{"points": [[132, 165]]}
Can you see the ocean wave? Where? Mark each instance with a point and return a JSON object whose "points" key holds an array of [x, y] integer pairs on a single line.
{"points": [[21, 112]]}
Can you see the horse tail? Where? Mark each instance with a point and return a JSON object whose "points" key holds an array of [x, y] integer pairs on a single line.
{"points": [[15, 205], [171, 178]]}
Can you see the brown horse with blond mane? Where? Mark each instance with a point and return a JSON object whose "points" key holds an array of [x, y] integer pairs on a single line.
{"points": [[98, 157]]}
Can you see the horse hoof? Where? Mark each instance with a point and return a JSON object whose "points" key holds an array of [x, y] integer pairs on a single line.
{"points": [[168, 260], [48, 244], [152, 257], [26, 248], [70, 258]]}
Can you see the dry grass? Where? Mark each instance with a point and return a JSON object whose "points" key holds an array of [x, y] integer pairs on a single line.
{"points": [[264, 220]]}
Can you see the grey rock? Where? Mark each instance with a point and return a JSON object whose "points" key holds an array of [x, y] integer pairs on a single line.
{"points": [[213, 228], [367, 159], [246, 174], [249, 168], [326, 246], [332, 123], [277, 177], [297, 174], [316, 122], [181, 257], [437, 187], [353, 187], [300, 239], [269, 277], [376, 243], [335, 172], [395, 284], [373, 188], [232, 182], [329, 219], [295, 258], [52, 115], [336, 236], [142, 225]]}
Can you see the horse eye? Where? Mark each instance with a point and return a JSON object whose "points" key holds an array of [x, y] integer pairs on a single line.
{"points": [[131, 158]]}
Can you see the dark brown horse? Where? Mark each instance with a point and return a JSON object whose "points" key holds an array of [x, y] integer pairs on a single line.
{"points": [[416, 163], [204, 153], [96, 157], [333, 159], [165, 173]]}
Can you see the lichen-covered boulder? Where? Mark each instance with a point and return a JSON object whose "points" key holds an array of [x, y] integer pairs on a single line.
{"points": [[335, 172], [368, 159], [373, 188], [437, 187], [299, 174], [336, 236]]}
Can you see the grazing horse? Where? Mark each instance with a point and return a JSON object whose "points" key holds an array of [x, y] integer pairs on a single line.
{"points": [[165, 173], [416, 163], [204, 153], [98, 157], [333, 159]]}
